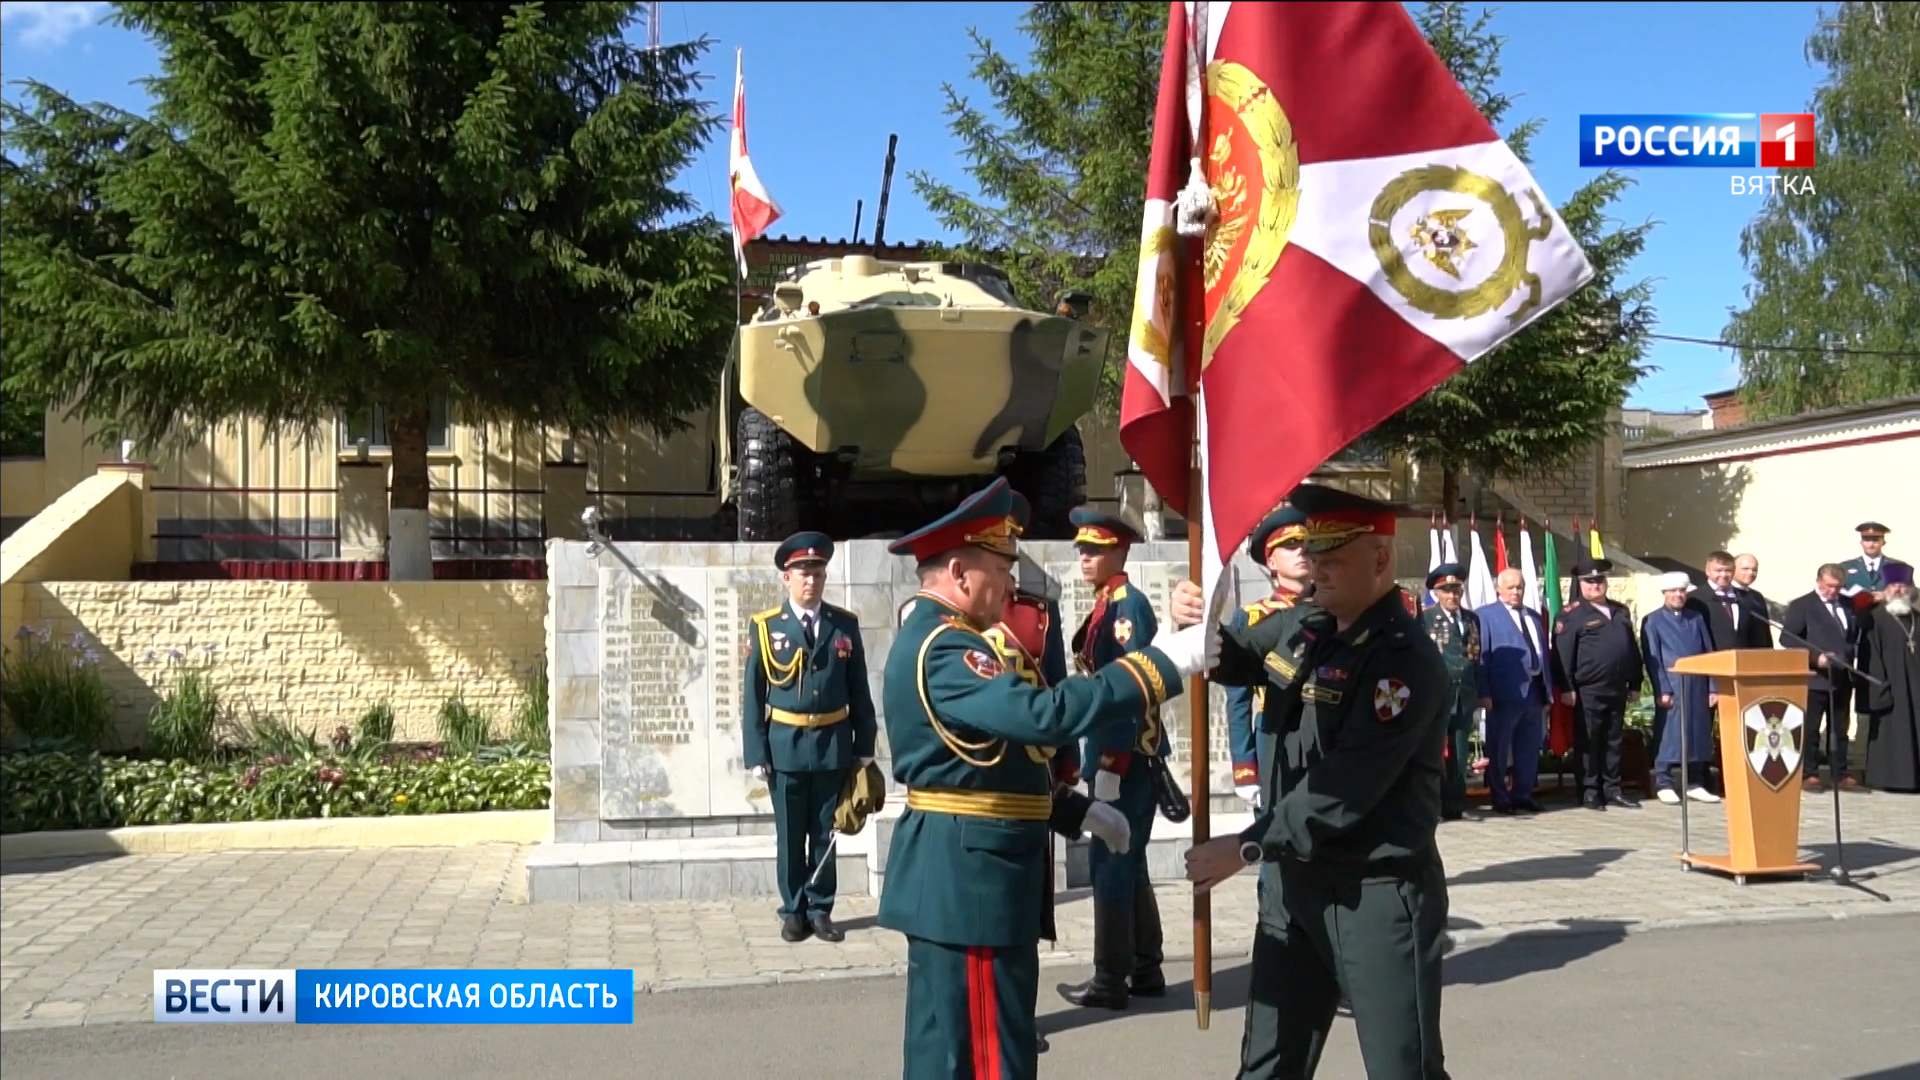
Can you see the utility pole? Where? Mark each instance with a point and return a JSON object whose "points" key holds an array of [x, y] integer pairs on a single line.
{"points": [[653, 26]]}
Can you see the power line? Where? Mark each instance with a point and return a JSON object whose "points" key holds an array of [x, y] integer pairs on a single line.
{"points": [[1821, 349]]}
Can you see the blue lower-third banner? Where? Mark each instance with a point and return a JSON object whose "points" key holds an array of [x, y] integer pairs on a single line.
{"points": [[393, 996]]}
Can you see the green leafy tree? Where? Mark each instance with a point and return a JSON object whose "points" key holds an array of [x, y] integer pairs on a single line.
{"points": [[1541, 398], [1836, 262], [341, 207], [1062, 180]]}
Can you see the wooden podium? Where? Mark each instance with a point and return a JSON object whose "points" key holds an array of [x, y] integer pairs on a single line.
{"points": [[1763, 736]]}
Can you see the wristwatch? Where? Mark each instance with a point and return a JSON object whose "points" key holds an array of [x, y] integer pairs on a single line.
{"points": [[1250, 852]]}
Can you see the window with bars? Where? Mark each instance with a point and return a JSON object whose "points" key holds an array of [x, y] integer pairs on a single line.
{"points": [[371, 425]]}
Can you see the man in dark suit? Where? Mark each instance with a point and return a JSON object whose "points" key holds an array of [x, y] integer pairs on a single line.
{"points": [[1730, 619], [1825, 624], [1519, 679], [1746, 570]]}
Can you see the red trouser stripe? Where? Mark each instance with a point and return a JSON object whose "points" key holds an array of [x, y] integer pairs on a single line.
{"points": [[984, 1015]]}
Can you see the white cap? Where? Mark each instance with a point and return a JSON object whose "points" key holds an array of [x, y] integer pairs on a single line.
{"points": [[1674, 579]]}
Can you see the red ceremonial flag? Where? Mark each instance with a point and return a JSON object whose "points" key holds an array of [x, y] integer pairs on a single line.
{"points": [[1331, 230], [753, 208], [1499, 546]]}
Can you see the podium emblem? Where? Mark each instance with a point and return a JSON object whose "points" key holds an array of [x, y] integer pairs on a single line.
{"points": [[1776, 734]]}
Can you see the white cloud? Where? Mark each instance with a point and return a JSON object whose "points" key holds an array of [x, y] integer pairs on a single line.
{"points": [[47, 24]]}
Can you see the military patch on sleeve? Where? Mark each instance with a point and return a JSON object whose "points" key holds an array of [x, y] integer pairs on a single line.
{"points": [[1123, 630], [1390, 698], [983, 664], [1559, 626]]}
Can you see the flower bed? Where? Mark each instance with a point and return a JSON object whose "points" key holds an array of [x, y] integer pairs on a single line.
{"points": [[67, 790], [208, 757]]}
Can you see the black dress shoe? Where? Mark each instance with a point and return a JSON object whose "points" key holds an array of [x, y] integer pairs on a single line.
{"points": [[1041, 1042], [824, 929], [1593, 802], [1527, 806], [1504, 811], [1150, 984], [1624, 802], [1096, 993], [792, 928]]}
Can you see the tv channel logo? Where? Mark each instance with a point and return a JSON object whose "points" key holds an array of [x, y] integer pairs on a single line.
{"points": [[393, 996], [231, 996], [1697, 140]]}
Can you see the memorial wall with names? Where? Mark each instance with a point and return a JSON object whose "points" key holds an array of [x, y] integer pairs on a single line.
{"points": [[660, 632]]}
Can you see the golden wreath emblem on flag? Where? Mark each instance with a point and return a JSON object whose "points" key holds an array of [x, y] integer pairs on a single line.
{"points": [[1253, 168], [1412, 215]]}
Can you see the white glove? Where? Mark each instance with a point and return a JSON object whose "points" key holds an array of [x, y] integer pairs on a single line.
{"points": [[1250, 793], [1106, 786], [865, 761], [1192, 650], [760, 773], [1110, 825]]}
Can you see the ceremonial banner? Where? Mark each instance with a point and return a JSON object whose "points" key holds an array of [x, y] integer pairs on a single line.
{"points": [[1544, 592], [1353, 232], [1480, 584], [1527, 571], [753, 209]]}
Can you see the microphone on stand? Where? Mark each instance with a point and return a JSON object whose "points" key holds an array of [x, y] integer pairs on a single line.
{"points": [[1839, 872]]}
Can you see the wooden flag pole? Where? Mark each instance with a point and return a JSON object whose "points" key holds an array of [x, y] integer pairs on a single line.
{"points": [[1198, 742], [1198, 751]]}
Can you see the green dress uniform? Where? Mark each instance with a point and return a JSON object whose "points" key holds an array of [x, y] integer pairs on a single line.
{"points": [[1862, 578], [966, 870], [1030, 643], [1457, 637], [1246, 705], [1352, 806], [808, 718], [1128, 942]]}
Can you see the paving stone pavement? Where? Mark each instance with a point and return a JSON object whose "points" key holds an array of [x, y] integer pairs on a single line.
{"points": [[79, 939]]}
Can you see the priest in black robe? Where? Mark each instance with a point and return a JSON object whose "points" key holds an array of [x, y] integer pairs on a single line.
{"points": [[1893, 657]]}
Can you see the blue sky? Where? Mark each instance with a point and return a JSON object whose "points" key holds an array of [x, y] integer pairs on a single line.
{"points": [[827, 83]]}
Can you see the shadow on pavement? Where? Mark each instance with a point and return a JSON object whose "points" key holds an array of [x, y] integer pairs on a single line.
{"points": [[1909, 1071], [1867, 855], [54, 864], [1527, 953], [1229, 992], [1531, 952], [1569, 867]]}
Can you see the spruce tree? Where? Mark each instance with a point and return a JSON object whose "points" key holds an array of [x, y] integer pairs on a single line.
{"points": [[1063, 179], [338, 207]]}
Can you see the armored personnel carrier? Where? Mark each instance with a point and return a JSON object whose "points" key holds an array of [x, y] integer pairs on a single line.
{"points": [[869, 397]]}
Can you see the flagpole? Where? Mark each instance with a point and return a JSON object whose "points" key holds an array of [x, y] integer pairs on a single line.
{"points": [[1199, 744]]}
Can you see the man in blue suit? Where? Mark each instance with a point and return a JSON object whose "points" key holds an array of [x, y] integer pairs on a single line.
{"points": [[1514, 659]]}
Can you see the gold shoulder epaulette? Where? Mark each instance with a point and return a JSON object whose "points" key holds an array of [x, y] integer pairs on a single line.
{"points": [[762, 616], [1120, 593], [1256, 612]]}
